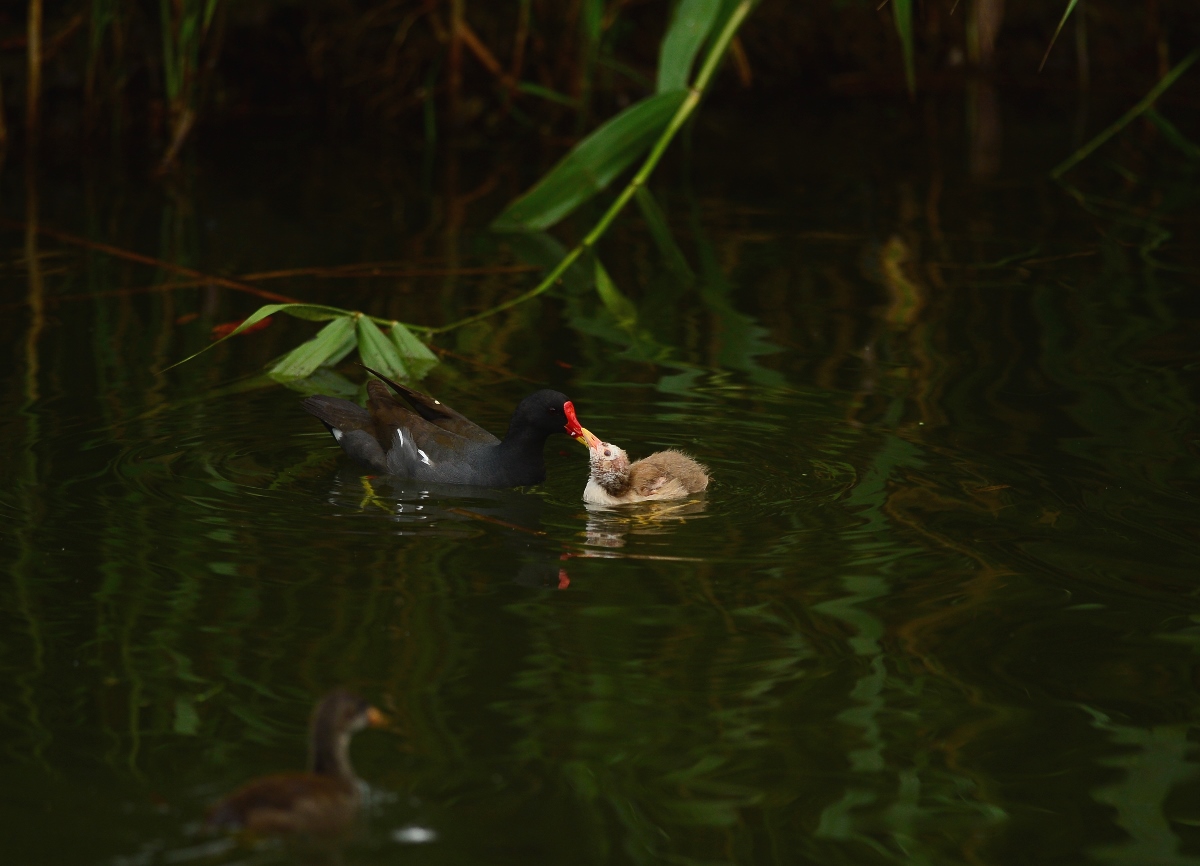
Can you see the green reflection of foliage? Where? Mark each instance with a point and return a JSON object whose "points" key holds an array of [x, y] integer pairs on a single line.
{"points": [[1153, 762]]}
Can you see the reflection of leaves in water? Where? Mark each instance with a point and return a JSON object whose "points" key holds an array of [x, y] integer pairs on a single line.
{"points": [[682, 383], [841, 472], [595, 306], [741, 338], [673, 770], [674, 261], [324, 381], [1154, 761]]}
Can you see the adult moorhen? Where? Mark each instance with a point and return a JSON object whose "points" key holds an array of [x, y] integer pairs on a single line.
{"points": [[426, 440], [614, 480], [321, 801]]}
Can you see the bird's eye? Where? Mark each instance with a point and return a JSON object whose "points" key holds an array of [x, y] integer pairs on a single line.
{"points": [[607, 453]]}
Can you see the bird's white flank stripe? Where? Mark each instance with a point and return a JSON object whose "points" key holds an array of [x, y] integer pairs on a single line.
{"points": [[400, 433], [425, 458]]}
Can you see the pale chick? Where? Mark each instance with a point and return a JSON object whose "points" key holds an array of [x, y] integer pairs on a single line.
{"points": [[663, 475]]}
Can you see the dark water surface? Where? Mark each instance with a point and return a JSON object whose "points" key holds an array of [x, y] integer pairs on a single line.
{"points": [[940, 605]]}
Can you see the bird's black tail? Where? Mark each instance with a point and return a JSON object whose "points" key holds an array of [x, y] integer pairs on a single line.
{"points": [[337, 414]]}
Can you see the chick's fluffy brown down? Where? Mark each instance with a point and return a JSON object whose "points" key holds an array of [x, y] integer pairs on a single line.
{"points": [[664, 475], [667, 475]]}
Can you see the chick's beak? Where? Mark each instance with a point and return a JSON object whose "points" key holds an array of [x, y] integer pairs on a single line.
{"points": [[376, 719], [588, 438]]}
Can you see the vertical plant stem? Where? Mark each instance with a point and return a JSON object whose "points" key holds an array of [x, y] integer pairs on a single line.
{"points": [[519, 40], [35, 296], [695, 92], [186, 26], [454, 74], [34, 80], [1083, 62], [3, 122], [24, 568]]}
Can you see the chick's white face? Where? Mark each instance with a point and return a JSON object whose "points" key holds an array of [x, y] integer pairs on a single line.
{"points": [[608, 459]]}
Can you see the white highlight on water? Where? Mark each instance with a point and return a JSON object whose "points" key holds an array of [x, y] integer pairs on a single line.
{"points": [[413, 835]]}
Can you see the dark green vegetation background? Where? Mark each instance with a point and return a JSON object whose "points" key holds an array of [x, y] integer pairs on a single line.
{"points": [[941, 604]]}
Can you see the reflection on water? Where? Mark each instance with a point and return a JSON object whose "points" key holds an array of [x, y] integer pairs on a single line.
{"points": [[939, 604], [608, 525]]}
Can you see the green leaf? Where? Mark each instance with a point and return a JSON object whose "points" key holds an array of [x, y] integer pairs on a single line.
{"points": [[417, 356], [591, 165], [620, 306], [593, 21], [673, 257], [540, 248], [312, 312], [187, 720], [378, 352], [328, 346], [548, 94], [1145, 103], [902, 14], [626, 70], [324, 381], [1172, 134], [691, 25], [1066, 14]]}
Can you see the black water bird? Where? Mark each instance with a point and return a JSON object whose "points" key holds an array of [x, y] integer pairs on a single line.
{"points": [[426, 440]]}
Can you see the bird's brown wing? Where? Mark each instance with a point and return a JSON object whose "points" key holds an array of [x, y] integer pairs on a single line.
{"points": [[389, 415], [437, 413], [287, 803]]}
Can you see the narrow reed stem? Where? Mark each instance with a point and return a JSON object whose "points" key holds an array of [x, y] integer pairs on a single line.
{"points": [[3, 122], [34, 78]]}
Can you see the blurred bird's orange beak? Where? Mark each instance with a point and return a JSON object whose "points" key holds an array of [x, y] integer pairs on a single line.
{"points": [[376, 719]]}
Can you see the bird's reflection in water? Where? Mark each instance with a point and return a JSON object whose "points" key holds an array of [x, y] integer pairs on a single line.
{"points": [[537, 561], [461, 511], [608, 525], [425, 508]]}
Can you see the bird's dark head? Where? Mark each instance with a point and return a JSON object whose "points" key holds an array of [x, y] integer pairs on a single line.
{"points": [[550, 411], [342, 712]]}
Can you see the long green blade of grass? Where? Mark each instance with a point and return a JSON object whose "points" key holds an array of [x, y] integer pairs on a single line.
{"points": [[312, 312], [1057, 30], [1172, 134], [547, 94], [902, 14], [1143, 105], [691, 25], [591, 166]]}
